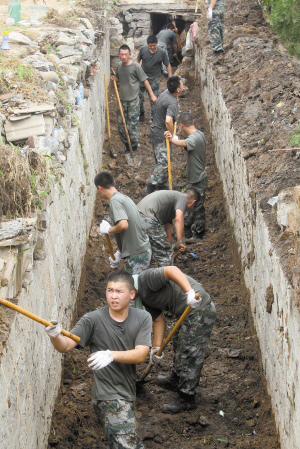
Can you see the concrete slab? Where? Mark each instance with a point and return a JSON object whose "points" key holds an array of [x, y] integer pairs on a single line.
{"points": [[35, 125], [35, 108]]}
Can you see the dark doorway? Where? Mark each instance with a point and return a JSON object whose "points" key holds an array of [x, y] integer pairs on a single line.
{"points": [[158, 21]]}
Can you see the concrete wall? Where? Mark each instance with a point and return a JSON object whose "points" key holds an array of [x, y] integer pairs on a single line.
{"points": [[30, 369], [279, 329]]}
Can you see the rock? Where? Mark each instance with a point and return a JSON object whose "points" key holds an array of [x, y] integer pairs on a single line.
{"points": [[128, 18], [46, 145], [39, 254], [86, 23], [158, 439], [187, 51], [114, 60], [114, 31], [64, 51], [113, 21], [143, 16], [117, 40], [64, 39], [90, 35], [143, 24], [71, 59], [49, 85], [22, 129], [50, 76], [19, 38], [203, 421], [5, 97], [86, 52]]}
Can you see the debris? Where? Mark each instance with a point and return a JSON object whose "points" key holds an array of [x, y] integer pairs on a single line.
{"points": [[221, 413], [21, 129], [272, 201]]}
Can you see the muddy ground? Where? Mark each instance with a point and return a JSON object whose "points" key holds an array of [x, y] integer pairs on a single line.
{"points": [[233, 407]]}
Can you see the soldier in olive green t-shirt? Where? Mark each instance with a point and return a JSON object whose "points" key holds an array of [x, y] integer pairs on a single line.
{"points": [[132, 240]]}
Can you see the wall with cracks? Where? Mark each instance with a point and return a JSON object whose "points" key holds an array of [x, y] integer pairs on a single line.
{"points": [[44, 279], [274, 293]]}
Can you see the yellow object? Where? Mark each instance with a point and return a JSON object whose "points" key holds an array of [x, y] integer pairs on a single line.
{"points": [[169, 163]]}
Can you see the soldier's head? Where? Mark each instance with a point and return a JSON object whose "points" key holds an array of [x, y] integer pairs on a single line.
{"points": [[105, 184], [124, 53], [174, 85], [186, 120], [152, 43], [170, 26], [193, 196], [119, 290]]}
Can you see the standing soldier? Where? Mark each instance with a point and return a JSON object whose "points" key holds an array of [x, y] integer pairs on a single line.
{"points": [[166, 112], [195, 146], [169, 289], [167, 39], [216, 16], [132, 241], [130, 75], [118, 337], [152, 58], [157, 212]]}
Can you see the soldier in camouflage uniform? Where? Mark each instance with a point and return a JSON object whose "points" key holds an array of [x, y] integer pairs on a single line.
{"points": [[155, 88], [216, 16], [171, 290], [195, 146], [133, 242], [118, 337], [157, 211], [130, 74]]}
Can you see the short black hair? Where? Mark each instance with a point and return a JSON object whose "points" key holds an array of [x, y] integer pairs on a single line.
{"points": [[173, 83], [193, 193], [152, 39], [170, 26], [186, 119], [121, 276], [104, 179], [125, 47]]}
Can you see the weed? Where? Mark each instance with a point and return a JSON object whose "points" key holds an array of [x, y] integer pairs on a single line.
{"points": [[61, 400], [74, 370], [295, 137]]}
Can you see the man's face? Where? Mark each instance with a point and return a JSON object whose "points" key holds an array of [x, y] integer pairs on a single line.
{"points": [[153, 47], [118, 296], [124, 55]]}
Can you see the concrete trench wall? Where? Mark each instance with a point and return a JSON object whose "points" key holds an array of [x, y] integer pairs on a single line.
{"points": [[30, 369], [278, 331]]}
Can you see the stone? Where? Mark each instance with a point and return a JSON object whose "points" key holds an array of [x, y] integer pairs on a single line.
{"points": [[114, 60], [117, 40], [64, 39], [86, 52], [46, 145], [71, 59], [114, 31], [133, 25], [128, 18], [142, 16], [49, 85], [143, 24], [113, 21], [5, 97], [50, 76], [90, 35], [86, 23], [139, 41], [39, 254], [64, 51], [23, 129], [49, 124], [203, 421], [72, 70], [130, 33], [20, 38], [34, 108]]}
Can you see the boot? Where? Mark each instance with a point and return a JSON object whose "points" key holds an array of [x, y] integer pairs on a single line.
{"points": [[170, 382], [150, 188], [196, 236], [184, 403], [142, 117], [188, 232]]}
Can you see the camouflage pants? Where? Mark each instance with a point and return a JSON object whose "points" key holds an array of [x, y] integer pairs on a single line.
{"points": [[155, 88], [190, 343], [137, 263], [160, 173], [131, 111], [196, 215], [161, 248], [118, 422], [215, 30]]}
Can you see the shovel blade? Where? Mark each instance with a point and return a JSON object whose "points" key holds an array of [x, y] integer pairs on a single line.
{"points": [[135, 161]]}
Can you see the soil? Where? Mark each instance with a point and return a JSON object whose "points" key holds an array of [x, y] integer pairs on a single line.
{"points": [[233, 406]]}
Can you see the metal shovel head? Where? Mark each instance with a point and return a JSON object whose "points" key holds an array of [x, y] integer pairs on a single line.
{"points": [[133, 161]]}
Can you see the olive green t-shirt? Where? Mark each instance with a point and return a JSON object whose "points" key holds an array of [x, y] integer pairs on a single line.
{"points": [[152, 62], [157, 294], [100, 332], [196, 148], [133, 240], [161, 206], [130, 76], [166, 104]]}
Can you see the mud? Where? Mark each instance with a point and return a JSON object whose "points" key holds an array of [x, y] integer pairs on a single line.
{"points": [[233, 407]]}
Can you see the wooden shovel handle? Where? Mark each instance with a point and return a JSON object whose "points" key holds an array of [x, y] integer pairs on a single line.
{"points": [[159, 352], [169, 163], [109, 246], [123, 118], [36, 318]]}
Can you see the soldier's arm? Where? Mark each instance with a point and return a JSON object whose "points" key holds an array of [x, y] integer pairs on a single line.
{"points": [[168, 229], [136, 355], [149, 89], [179, 225], [212, 4], [169, 70], [169, 124], [177, 143], [173, 273], [121, 226], [159, 328]]}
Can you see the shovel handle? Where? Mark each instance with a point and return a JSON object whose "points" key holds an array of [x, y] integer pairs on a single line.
{"points": [[107, 109], [169, 163], [109, 246], [123, 118], [159, 352], [36, 318]]}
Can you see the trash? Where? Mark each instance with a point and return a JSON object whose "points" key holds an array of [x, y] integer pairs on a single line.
{"points": [[279, 105], [221, 413], [14, 10], [193, 255], [10, 21], [5, 44], [272, 201]]}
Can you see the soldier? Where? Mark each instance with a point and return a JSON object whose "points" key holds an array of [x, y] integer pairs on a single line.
{"points": [[157, 212], [132, 241], [167, 39], [169, 289], [216, 16], [152, 58], [130, 75], [119, 337], [166, 112], [195, 146]]}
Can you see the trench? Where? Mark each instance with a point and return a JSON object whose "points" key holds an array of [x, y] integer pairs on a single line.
{"points": [[233, 406]]}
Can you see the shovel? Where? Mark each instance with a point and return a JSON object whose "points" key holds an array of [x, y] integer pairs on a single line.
{"points": [[112, 154], [159, 352], [109, 246], [36, 318], [134, 161], [169, 164]]}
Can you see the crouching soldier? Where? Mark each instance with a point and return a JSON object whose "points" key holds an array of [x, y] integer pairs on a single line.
{"points": [[169, 289]]}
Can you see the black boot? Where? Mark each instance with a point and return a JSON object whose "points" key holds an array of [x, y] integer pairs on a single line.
{"points": [[150, 188], [196, 236], [184, 403], [142, 117], [171, 381]]}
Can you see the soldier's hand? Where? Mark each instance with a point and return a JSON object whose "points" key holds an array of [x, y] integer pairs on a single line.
{"points": [[191, 300], [209, 14], [155, 358], [54, 330], [168, 135], [153, 98], [113, 78], [181, 246], [100, 359]]}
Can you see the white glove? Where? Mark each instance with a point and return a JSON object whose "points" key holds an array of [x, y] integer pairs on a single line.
{"points": [[191, 300], [100, 359], [104, 227], [115, 263], [54, 330], [175, 137], [209, 14], [155, 358]]}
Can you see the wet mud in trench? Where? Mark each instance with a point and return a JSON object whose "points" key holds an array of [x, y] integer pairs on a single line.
{"points": [[233, 407]]}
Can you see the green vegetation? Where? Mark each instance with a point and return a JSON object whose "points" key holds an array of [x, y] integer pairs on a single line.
{"points": [[295, 137]]}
